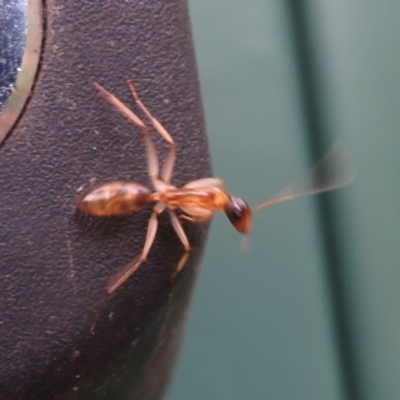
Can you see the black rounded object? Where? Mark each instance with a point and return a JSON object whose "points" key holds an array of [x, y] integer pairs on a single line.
{"points": [[54, 260]]}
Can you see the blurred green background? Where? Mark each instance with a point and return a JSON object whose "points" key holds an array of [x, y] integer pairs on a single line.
{"points": [[313, 312]]}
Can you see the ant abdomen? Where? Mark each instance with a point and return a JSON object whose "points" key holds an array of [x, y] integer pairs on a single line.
{"points": [[115, 198]]}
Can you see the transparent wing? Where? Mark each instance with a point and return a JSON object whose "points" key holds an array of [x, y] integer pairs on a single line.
{"points": [[334, 170]]}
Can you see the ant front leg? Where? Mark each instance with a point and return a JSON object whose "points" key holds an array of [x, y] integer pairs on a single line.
{"points": [[195, 214], [183, 238], [179, 230]]}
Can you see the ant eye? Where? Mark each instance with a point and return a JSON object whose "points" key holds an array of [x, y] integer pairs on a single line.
{"points": [[239, 214], [235, 214]]}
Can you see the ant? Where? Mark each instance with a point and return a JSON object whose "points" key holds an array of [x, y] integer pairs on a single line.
{"points": [[198, 199]]}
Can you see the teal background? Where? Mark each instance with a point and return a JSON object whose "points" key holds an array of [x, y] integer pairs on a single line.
{"points": [[313, 312]]}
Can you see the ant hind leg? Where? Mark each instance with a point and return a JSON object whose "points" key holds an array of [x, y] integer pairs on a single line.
{"points": [[152, 158], [168, 167]]}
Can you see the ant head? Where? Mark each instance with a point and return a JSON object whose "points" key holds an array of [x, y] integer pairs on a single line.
{"points": [[239, 213]]}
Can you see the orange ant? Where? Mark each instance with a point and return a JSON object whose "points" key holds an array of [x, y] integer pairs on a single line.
{"points": [[198, 199]]}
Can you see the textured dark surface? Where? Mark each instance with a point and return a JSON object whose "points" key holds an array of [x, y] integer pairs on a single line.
{"points": [[54, 261]]}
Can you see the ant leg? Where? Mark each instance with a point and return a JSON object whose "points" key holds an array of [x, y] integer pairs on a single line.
{"points": [[196, 220], [195, 214], [168, 167], [182, 236], [205, 182], [157, 126], [120, 277], [179, 267], [152, 158], [179, 230]]}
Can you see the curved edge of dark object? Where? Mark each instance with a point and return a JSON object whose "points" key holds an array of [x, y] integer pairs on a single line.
{"points": [[21, 37], [54, 260]]}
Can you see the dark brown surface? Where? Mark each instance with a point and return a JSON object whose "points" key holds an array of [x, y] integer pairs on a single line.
{"points": [[54, 260]]}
